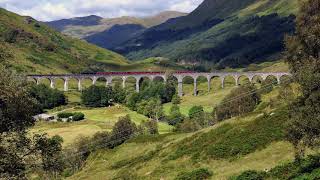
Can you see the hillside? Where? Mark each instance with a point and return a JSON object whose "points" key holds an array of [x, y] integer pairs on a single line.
{"points": [[227, 33], [254, 141], [32, 47], [110, 32]]}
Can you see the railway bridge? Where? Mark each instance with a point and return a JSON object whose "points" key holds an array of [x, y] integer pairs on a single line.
{"points": [[109, 76]]}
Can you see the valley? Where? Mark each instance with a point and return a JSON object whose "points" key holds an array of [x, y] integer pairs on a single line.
{"points": [[179, 90]]}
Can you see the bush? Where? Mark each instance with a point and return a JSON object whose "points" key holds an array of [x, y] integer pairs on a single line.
{"points": [[197, 174], [149, 127], [250, 175], [195, 110], [123, 130], [65, 115], [242, 100], [78, 116], [175, 116], [188, 125]]}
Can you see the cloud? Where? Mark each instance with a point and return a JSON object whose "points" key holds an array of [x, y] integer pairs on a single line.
{"points": [[47, 10]]}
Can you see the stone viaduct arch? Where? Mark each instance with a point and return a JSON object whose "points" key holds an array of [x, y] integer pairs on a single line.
{"points": [[152, 75]]}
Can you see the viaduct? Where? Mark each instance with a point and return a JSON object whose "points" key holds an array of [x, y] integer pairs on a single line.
{"points": [[109, 76]]}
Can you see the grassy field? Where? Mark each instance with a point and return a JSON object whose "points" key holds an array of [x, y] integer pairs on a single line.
{"points": [[97, 119]]}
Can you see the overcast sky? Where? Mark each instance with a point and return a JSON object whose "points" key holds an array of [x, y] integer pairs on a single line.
{"points": [[47, 10]]}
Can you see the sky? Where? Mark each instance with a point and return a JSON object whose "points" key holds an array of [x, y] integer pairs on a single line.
{"points": [[48, 10]]}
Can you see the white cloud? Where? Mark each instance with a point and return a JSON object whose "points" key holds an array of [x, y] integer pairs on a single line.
{"points": [[47, 10]]}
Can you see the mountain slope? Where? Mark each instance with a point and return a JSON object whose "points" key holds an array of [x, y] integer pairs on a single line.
{"points": [[84, 27], [32, 47], [227, 33]]}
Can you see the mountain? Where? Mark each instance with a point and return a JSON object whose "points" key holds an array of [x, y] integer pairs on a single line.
{"points": [[60, 25], [29, 46], [228, 33], [116, 35], [83, 27]]}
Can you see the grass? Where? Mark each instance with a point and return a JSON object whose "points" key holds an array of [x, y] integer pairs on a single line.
{"points": [[250, 142], [97, 119]]}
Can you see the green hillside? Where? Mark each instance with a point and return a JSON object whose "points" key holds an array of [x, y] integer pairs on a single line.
{"points": [[30, 46], [227, 33], [251, 142]]}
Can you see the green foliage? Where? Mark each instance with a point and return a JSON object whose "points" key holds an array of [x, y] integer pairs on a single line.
{"points": [[176, 99], [151, 108], [250, 175], [307, 168], [195, 111], [123, 130], [231, 141], [47, 97], [119, 94], [29, 38], [197, 174], [242, 100], [188, 125], [149, 127], [97, 96], [268, 85], [65, 114], [78, 116], [51, 154], [175, 116], [11, 36], [16, 106], [303, 58], [5, 54]]}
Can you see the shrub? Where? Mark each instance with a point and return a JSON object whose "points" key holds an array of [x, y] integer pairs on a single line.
{"points": [[188, 125], [176, 99], [197, 174], [123, 130], [242, 100], [175, 116], [195, 110], [149, 127], [65, 115], [11, 36], [229, 141], [102, 140], [250, 175], [78, 116]]}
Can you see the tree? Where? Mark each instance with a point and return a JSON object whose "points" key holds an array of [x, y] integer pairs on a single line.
{"points": [[18, 149], [16, 106], [176, 99], [97, 96], [51, 153], [241, 100], [119, 93], [151, 108], [48, 98], [303, 57], [175, 116], [123, 130], [197, 114], [149, 127]]}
